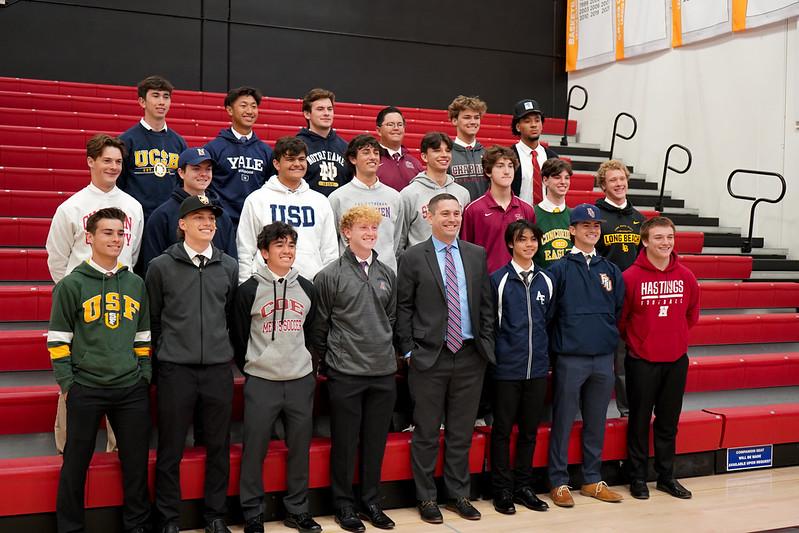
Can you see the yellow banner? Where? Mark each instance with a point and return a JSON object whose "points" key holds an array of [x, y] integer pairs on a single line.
{"points": [[676, 23], [619, 29], [739, 15], [571, 35]]}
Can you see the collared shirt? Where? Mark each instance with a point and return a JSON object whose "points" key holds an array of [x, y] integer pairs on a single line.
{"points": [[588, 256], [549, 207], [104, 270], [519, 269], [620, 206], [526, 162], [469, 146], [150, 128], [391, 152], [278, 278], [195, 256], [361, 260], [440, 248], [240, 136], [356, 182]]}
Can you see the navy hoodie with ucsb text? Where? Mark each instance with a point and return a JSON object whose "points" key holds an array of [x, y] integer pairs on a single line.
{"points": [[149, 172], [327, 168], [240, 167]]}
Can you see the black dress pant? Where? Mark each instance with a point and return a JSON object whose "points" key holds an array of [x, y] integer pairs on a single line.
{"points": [[658, 386], [450, 391], [359, 406], [180, 387], [515, 402], [128, 410]]}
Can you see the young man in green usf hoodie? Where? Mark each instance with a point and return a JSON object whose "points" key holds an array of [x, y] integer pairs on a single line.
{"points": [[99, 343]]}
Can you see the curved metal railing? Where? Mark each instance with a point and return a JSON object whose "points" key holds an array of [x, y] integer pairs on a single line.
{"points": [[747, 241]]}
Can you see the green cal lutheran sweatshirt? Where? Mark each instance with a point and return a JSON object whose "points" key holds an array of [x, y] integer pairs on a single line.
{"points": [[99, 333]]}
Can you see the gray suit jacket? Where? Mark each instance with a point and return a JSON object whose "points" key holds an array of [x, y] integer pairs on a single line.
{"points": [[422, 308]]}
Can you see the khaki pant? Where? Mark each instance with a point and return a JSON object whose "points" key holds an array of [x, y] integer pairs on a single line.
{"points": [[60, 428]]}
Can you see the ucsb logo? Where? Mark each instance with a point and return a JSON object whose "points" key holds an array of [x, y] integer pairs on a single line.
{"points": [[159, 160], [299, 216], [92, 309]]}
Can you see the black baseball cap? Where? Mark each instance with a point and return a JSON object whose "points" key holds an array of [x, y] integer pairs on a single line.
{"points": [[522, 109], [195, 203]]}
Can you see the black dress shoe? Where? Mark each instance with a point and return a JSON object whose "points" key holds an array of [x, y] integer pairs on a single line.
{"points": [[303, 522], [374, 514], [639, 490], [525, 496], [464, 508], [170, 528], [429, 512], [345, 517], [673, 487], [503, 503], [254, 524], [217, 526]]}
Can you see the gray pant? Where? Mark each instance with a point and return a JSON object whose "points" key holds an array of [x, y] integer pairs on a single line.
{"points": [[448, 390], [264, 401]]}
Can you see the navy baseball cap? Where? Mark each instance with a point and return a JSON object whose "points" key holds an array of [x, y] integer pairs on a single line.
{"points": [[193, 156], [585, 213], [195, 203]]}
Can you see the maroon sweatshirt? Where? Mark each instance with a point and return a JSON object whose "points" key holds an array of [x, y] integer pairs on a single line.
{"points": [[659, 309], [484, 223], [398, 173]]}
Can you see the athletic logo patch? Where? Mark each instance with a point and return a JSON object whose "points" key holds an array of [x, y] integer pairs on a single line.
{"points": [[607, 283]]}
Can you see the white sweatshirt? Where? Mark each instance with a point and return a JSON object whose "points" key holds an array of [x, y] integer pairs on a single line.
{"points": [[67, 245], [306, 210]]}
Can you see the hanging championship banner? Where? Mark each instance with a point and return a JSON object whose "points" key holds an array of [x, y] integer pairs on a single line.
{"points": [[747, 14], [641, 27], [589, 33], [696, 20]]}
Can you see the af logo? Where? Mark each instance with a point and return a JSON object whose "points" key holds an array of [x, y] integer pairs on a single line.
{"points": [[606, 282], [540, 298], [664, 311]]}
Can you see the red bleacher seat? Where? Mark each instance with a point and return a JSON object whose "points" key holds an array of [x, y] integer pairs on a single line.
{"points": [[745, 371], [23, 231], [25, 302], [43, 179], [760, 295], [23, 265], [16, 203], [745, 329], [758, 424], [24, 350], [689, 242], [719, 266]]}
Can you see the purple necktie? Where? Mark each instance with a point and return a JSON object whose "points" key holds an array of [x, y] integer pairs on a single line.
{"points": [[454, 334]]}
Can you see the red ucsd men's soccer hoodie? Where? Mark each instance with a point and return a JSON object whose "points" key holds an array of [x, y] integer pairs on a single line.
{"points": [[659, 309]]}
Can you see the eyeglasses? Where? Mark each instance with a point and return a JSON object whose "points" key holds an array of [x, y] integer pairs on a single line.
{"points": [[394, 124]]}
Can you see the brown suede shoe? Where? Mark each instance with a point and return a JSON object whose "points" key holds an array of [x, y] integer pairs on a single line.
{"points": [[562, 496], [601, 492]]}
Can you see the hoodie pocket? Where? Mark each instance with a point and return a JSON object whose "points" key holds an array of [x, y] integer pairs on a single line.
{"points": [[103, 368]]}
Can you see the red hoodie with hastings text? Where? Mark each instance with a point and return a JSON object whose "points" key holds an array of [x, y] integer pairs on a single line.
{"points": [[659, 309]]}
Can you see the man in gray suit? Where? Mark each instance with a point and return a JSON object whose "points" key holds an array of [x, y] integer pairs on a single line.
{"points": [[445, 329]]}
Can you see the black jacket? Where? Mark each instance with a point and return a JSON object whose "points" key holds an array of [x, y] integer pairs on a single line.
{"points": [[190, 307], [621, 239], [516, 185]]}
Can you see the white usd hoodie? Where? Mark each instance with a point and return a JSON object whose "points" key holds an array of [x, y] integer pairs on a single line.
{"points": [[306, 210]]}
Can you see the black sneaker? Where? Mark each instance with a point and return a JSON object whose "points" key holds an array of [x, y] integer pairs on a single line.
{"points": [[303, 522], [254, 524], [345, 517], [429, 512], [464, 508]]}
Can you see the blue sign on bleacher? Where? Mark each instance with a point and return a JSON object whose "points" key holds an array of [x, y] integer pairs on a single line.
{"points": [[749, 457]]}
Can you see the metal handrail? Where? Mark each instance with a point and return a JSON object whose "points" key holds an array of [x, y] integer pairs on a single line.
{"points": [[615, 127], [667, 167], [746, 247], [564, 141]]}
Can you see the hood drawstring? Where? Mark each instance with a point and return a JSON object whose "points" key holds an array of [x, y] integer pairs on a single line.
{"points": [[274, 303]]}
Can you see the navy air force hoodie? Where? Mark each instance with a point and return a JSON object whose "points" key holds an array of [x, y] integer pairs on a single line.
{"points": [[327, 168], [240, 167]]}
